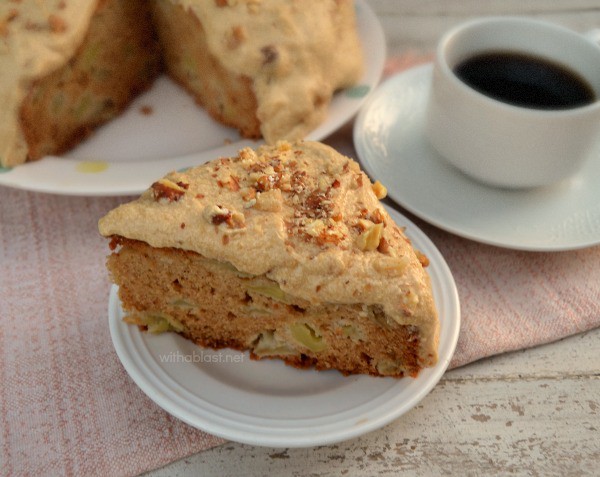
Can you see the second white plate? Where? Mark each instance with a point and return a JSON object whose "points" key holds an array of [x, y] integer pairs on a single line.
{"points": [[391, 145], [268, 403]]}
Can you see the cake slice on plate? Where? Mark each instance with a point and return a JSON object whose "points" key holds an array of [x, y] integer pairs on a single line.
{"points": [[285, 252]]}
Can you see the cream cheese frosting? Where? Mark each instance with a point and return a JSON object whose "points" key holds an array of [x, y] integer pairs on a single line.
{"points": [[302, 215], [296, 53]]}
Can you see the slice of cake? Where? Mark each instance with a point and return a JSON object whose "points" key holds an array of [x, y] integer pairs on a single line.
{"points": [[267, 68], [285, 252]]}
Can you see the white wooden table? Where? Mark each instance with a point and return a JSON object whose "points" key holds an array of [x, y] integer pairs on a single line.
{"points": [[533, 412]]}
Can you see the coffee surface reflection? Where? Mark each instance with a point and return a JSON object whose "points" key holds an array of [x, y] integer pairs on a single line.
{"points": [[523, 80]]}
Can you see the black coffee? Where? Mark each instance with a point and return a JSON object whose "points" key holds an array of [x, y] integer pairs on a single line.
{"points": [[526, 81]]}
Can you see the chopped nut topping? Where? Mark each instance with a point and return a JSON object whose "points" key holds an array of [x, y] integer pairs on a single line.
{"points": [[424, 259], [270, 54], [218, 215], [57, 24], [380, 190], [167, 190], [247, 156], [115, 241], [324, 184], [363, 224], [264, 183], [248, 194], [232, 183], [284, 146], [391, 264], [315, 227], [238, 35], [269, 201], [238, 220], [376, 217], [222, 216], [357, 181], [370, 238], [384, 246]]}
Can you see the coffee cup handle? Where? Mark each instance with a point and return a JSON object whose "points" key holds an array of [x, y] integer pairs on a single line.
{"points": [[593, 35]]}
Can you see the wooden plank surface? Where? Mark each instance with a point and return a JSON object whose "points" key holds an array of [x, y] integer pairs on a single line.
{"points": [[533, 412]]}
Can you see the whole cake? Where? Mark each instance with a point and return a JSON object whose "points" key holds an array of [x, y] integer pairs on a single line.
{"points": [[286, 252], [266, 67]]}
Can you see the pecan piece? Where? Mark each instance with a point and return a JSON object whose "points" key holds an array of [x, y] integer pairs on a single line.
{"points": [[224, 217], [270, 54], [369, 240], [218, 215], [379, 190], [167, 190], [57, 24]]}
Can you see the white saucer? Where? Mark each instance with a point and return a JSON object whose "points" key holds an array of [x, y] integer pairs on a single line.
{"points": [[389, 140], [271, 404], [130, 152]]}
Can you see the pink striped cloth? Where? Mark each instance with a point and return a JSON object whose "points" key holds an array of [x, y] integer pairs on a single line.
{"points": [[67, 407]]}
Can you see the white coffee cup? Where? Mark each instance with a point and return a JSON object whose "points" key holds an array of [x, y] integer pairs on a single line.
{"points": [[499, 143]]}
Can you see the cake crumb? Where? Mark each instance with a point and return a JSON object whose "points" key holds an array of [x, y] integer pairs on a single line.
{"points": [[146, 110]]}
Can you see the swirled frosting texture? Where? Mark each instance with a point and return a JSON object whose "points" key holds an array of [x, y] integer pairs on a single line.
{"points": [[301, 214]]}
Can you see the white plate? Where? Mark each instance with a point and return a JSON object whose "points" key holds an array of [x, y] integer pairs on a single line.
{"points": [[268, 403], [389, 140], [126, 155]]}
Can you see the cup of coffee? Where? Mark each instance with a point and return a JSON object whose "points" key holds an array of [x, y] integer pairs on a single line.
{"points": [[515, 102]]}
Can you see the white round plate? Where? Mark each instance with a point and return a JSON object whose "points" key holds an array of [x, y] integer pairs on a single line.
{"points": [[126, 155], [390, 142], [267, 403]]}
